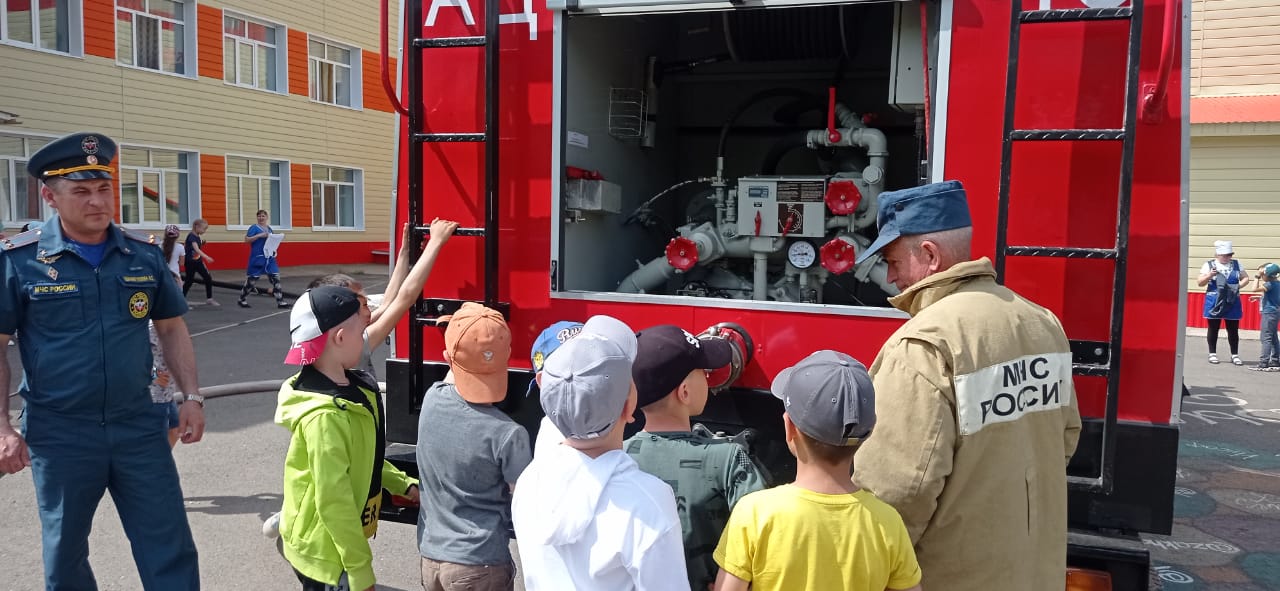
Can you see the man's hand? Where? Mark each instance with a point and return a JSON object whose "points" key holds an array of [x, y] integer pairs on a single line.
{"points": [[414, 494], [13, 449], [442, 230], [191, 421], [209, 259]]}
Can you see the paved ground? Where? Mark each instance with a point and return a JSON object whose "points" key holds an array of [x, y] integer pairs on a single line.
{"points": [[1226, 533], [1228, 501]]}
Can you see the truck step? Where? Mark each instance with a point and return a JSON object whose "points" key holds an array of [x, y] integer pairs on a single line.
{"points": [[1066, 135], [1075, 15], [448, 138], [436, 42], [1065, 252]]}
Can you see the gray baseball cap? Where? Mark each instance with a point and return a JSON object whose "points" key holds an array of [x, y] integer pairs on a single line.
{"points": [[829, 397], [585, 385]]}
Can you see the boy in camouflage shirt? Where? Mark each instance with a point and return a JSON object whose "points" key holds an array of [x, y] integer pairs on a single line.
{"points": [[707, 474]]}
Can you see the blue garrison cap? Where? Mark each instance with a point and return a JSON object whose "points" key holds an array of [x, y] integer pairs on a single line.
{"points": [[79, 157], [919, 210]]}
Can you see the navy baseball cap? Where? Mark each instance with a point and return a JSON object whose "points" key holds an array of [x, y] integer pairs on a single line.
{"points": [[77, 157], [919, 210], [667, 354], [829, 397]]}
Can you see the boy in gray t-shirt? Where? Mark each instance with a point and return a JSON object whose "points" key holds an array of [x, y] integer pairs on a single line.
{"points": [[469, 457]]}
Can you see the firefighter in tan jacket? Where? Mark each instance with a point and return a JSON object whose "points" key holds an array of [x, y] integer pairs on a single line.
{"points": [[976, 410]]}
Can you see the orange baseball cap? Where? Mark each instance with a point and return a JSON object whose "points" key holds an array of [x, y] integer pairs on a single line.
{"points": [[479, 346]]}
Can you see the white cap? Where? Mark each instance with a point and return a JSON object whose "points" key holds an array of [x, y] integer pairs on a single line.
{"points": [[1222, 247], [614, 330]]}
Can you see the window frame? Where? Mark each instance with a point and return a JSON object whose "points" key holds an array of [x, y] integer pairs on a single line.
{"points": [[357, 197], [281, 62], [286, 196], [190, 59], [357, 95], [192, 185], [7, 221], [75, 30]]}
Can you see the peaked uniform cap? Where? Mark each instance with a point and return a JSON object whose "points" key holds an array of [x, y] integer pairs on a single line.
{"points": [[80, 156]]}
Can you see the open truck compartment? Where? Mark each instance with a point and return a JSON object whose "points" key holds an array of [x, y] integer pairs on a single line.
{"points": [[702, 162]]}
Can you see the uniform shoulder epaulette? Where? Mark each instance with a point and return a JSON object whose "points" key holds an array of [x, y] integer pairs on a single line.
{"points": [[139, 236], [20, 240]]}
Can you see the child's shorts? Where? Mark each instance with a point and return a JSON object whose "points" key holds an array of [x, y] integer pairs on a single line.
{"points": [[170, 414]]}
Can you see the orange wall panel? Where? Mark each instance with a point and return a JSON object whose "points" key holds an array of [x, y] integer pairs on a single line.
{"points": [[209, 37], [298, 72], [213, 189], [374, 96], [100, 28], [300, 183]]}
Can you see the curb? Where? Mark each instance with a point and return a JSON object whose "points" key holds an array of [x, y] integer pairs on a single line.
{"points": [[238, 286]]}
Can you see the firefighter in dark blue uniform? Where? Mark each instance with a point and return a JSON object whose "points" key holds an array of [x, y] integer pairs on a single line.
{"points": [[80, 290]]}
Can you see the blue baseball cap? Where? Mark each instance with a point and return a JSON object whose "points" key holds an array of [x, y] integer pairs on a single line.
{"points": [[919, 210], [550, 339]]}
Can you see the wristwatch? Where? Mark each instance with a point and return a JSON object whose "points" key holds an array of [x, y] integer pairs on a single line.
{"points": [[196, 398]]}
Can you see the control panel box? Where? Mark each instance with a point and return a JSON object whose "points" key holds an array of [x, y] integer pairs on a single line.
{"points": [[782, 206]]}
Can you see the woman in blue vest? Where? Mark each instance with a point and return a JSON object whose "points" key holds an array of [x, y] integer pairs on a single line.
{"points": [[1223, 280]]}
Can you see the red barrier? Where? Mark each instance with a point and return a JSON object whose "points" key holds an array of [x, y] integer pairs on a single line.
{"points": [[1195, 310]]}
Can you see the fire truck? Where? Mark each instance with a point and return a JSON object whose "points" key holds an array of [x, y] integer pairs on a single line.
{"points": [[716, 164]]}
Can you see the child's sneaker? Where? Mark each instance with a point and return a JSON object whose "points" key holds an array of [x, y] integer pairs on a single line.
{"points": [[212, 302], [242, 303], [271, 527], [1261, 366]]}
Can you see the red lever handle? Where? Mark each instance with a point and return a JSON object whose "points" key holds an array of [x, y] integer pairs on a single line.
{"points": [[832, 133]]}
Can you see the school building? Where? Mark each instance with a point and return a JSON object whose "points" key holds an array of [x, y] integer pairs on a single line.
{"points": [[1235, 138], [221, 108]]}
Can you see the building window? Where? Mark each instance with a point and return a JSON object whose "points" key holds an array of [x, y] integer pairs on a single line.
{"points": [[156, 187], [254, 184], [250, 54], [45, 24], [337, 198], [152, 34], [334, 73], [20, 200]]}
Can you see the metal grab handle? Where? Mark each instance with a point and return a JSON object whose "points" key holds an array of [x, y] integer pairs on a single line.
{"points": [[387, 87], [1155, 95]]}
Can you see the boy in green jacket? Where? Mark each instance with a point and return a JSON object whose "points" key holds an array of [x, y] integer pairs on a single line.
{"points": [[334, 472]]}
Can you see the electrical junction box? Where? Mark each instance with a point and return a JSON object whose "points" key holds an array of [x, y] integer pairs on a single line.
{"points": [[591, 195], [783, 206]]}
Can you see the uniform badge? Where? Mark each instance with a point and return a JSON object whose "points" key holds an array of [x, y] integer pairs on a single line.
{"points": [[53, 273], [139, 305], [91, 159], [89, 144], [44, 259]]}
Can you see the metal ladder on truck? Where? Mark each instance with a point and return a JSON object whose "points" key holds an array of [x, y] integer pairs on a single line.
{"points": [[428, 310], [1090, 358]]}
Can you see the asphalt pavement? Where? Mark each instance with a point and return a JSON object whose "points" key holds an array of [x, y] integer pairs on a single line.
{"points": [[1226, 536]]}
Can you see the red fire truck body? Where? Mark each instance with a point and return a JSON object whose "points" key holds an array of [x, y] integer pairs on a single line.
{"points": [[570, 74]]}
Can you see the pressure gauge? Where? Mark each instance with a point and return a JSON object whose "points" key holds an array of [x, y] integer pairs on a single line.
{"points": [[802, 254]]}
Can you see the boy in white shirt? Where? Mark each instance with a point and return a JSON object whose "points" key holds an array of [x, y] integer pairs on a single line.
{"points": [[585, 516]]}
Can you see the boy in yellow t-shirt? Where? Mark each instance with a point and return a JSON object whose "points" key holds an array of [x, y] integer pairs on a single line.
{"points": [[821, 532]]}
